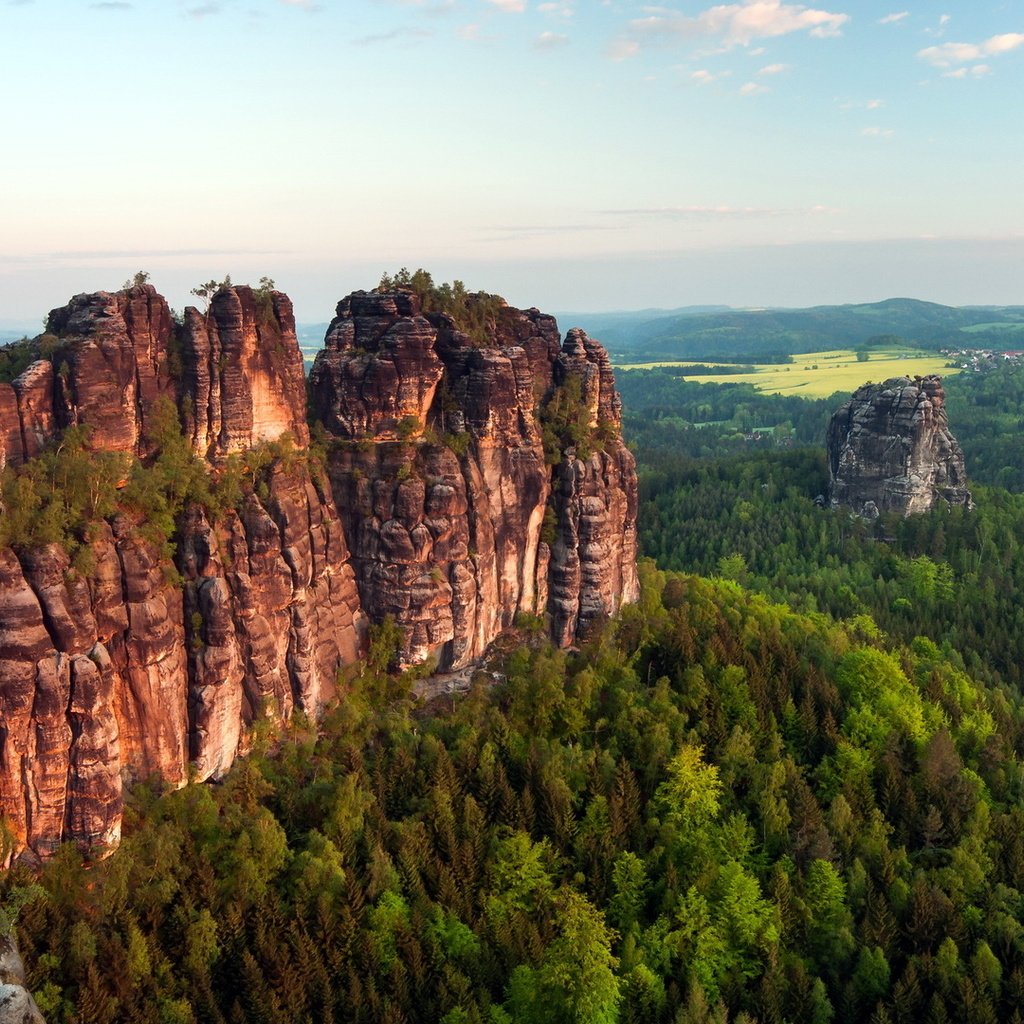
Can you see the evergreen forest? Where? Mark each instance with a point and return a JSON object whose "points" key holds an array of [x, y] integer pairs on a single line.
{"points": [[786, 786]]}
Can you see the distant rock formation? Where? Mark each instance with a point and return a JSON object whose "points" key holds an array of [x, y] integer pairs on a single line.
{"points": [[890, 450], [469, 478]]}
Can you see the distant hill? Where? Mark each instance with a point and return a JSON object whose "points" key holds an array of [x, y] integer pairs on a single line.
{"points": [[311, 340], [724, 333], [7, 336]]}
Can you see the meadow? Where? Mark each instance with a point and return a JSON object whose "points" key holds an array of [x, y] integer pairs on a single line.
{"points": [[820, 374]]}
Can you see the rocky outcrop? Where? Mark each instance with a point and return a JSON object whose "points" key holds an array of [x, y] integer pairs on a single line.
{"points": [[130, 663], [890, 450], [475, 473], [112, 364], [243, 376], [463, 507], [125, 672], [16, 1003]]}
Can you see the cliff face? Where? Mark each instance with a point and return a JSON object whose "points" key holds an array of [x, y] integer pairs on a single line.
{"points": [[140, 664], [243, 376], [890, 450], [459, 515], [469, 479]]}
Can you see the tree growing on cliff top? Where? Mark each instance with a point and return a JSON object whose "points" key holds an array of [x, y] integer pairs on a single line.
{"points": [[209, 289], [137, 280], [474, 313]]}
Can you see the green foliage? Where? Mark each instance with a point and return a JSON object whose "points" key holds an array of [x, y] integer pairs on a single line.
{"points": [[208, 289], [690, 820], [407, 426], [565, 422], [16, 357], [458, 442], [137, 280], [264, 296], [53, 498], [951, 575], [474, 313], [17, 898]]}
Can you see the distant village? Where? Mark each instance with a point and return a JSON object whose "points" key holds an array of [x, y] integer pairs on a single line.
{"points": [[982, 359]]}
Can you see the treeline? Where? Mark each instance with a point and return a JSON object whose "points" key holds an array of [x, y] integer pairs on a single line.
{"points": [[473, 312], [722, 810], [665, 415], [986, 412], [952, 575]]}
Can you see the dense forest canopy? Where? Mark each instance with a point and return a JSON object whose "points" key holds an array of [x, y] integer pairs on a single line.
{"points": [[785, 786], [721, 810]]}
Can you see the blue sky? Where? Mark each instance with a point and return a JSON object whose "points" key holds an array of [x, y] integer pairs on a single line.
{"points": [[594, 154]]}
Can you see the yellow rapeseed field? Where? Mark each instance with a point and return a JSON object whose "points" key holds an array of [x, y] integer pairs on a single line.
{"points": [[820, 374]]}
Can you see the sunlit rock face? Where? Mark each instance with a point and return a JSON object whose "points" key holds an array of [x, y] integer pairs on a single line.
{"points": [[453, 499], [890, 450], [457, 517], [138, 664], [243, 379]]}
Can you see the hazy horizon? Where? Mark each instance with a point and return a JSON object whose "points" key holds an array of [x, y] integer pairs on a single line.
{"points": [[597, 156]]}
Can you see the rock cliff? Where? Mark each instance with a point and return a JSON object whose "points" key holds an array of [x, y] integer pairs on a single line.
{"points": [[472, 473], [890, 450], [465, 499], [139, 664], [16, 1003]]}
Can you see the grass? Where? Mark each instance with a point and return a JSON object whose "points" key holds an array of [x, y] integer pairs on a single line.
{"points": [[820, 374]]}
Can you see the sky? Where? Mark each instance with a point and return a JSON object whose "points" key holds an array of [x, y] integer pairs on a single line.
{"points": [[570, 154]]}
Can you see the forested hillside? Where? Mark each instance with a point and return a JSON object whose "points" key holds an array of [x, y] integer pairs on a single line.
{"points": [[804, 804], [737, 334], [723, 810]]}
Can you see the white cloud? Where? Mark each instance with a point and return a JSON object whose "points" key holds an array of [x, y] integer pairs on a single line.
{"points": [[860, 104], [891, 19], [946, 55], [704, 77], [511, 6], [752, 89], [403, 32], [740, 24], [561, 9], [550, 40], [978, 71], [877, 133], [622, 49], [774, 69]]}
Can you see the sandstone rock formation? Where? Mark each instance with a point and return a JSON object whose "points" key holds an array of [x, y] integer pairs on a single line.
{"points": [[890, 450], [471, 476], [459, 515], [244, 380], [142, 665], [16, 1003]]}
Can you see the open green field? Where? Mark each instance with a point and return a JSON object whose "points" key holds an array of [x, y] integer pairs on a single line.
{"points": [[819, 374]]}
